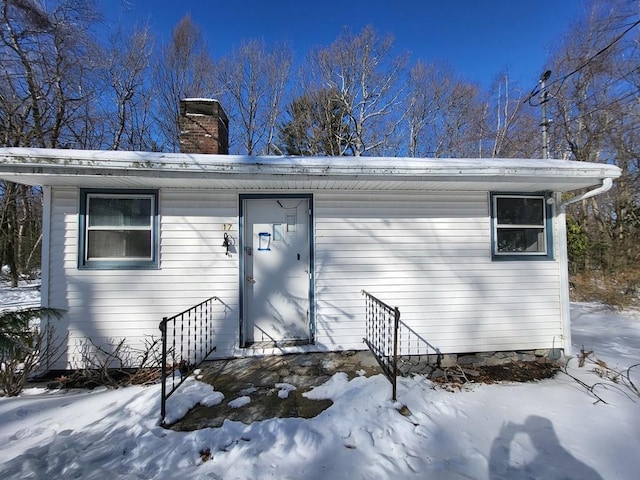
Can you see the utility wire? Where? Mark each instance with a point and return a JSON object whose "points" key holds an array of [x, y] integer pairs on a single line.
{"points": [[612, 102], [608, 86], [564, 78], [598, 53]]}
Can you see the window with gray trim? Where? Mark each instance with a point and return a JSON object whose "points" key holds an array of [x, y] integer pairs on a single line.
{"points": [[520, 226], [118, 229]]}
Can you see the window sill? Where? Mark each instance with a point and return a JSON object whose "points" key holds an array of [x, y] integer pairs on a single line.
{"points": [[119, 266], [521, 258]]}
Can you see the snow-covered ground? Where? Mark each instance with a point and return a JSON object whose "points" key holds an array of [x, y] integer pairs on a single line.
{"points": [[546, 430]]}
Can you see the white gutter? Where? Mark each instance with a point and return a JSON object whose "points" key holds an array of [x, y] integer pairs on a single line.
{"points": [[565, 309]]}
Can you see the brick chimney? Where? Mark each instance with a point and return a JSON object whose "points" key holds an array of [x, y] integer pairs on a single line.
{"points": [[204, 127]]}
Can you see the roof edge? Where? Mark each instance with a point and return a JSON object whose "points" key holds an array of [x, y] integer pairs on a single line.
{"points": [[84, 162]]}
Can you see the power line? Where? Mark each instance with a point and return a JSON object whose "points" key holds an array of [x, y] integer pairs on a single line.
{"points": [[607, 86], [564, 78], [613, 102], [600, 52]]}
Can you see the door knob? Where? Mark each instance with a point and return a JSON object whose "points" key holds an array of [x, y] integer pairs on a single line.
{"points": [[251, 280]]}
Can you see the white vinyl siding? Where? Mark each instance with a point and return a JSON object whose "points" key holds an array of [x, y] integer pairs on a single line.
{"points": [[115, 304], [428, 254]]}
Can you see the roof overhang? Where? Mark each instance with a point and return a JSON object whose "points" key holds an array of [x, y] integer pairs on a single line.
{"points": [[119, 169]]}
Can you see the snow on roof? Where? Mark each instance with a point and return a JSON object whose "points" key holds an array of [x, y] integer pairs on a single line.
{"points": [[199, 99], [33, 161]]}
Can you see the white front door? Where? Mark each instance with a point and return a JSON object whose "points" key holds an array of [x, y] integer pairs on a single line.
{"points": [[277, 263]]}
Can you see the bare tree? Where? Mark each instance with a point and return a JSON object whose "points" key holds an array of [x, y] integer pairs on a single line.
{"points": [[513, 127], [253, 78], [445, 116], [46, 81], [366, 76], [127, 65], [48, 62], [425, 100], [184, 69], [594, 107]]}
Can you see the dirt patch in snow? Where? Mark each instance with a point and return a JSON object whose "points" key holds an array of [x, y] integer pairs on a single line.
{"points": [[519, 371]]}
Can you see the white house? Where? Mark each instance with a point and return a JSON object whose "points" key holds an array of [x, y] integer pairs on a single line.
{"points": [[472, 251]]}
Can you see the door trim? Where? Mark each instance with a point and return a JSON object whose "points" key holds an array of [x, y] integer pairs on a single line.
{"points": [[242, 284]]}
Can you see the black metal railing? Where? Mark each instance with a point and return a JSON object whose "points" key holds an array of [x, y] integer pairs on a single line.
{"points": [[187, 340], [395, 345], [381, 331]]}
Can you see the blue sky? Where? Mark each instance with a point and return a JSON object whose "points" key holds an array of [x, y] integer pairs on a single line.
{"points": [[477, 38]]}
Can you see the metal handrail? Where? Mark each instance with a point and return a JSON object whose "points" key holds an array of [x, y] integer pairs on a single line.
{"points": [[187, 340], [390, 339], [381, 334]]}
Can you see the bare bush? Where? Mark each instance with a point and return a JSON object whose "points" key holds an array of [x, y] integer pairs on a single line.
{"points": [[116, 363], [619, 289], [610, 378]]}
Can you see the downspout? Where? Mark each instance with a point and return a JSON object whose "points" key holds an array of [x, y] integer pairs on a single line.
{"points": [[607, 183], [565, 307], [45, 268]]}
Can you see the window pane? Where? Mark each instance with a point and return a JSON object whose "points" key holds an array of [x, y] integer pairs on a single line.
{"points": [[520, 211], [119, 212], [521, 240], [119, 244]]}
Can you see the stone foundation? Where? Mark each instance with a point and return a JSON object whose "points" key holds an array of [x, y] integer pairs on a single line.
{"points": [[426, 364]]}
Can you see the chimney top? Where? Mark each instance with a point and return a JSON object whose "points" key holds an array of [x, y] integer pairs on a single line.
{"points": [[204, 127], [201, 106]]}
